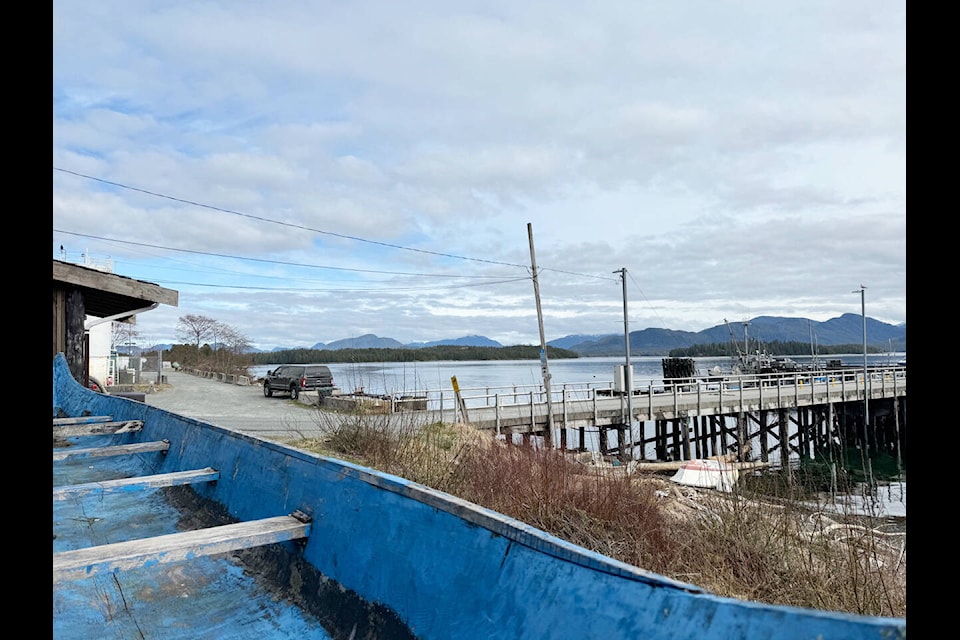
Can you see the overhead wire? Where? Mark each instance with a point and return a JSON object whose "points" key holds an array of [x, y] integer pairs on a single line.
{"points": [[265, 260], [642, 295], [286, 224], [314, 230], [338, 290]]}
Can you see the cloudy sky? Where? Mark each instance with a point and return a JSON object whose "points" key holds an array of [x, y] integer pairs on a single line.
{"points": [[316, 170]]}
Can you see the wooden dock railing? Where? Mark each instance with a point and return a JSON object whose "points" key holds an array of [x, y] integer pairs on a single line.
{"points": [[592, 404]]}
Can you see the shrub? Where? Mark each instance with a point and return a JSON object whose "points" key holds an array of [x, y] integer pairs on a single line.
{"points": [[768, 541]]}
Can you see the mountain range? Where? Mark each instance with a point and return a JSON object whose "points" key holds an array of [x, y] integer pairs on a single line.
{"points": [[846, 329]]}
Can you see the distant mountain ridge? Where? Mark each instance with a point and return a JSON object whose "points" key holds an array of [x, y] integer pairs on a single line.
{"points": [[366, 341], [845, 329], [570, 342], [371, 341], [466, 341]]}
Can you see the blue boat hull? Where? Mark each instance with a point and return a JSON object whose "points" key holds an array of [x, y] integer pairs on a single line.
{"points": [[384, 557]]}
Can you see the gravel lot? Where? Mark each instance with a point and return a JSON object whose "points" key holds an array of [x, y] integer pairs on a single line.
{"points": [[243, 408]]}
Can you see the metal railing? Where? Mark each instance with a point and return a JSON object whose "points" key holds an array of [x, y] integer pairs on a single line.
{"points": [[883, 381]]}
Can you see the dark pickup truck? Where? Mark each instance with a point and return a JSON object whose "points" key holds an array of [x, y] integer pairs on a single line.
{"points": [[294, 378]]}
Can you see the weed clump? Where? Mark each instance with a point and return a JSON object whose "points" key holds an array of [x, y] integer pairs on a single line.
{"points": [[768, 540]]}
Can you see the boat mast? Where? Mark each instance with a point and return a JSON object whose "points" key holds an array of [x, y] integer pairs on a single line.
{"points": [[741, 356], [814, 355]]}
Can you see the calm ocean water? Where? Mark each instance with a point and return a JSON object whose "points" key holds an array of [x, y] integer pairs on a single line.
{"points": [[399, 378], [405, 377]]}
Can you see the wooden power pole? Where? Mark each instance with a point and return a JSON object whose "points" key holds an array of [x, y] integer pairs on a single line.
{"points": [[548, 432]]}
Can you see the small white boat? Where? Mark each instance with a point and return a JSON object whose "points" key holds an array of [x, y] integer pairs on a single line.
{"points": [[708, 474]]}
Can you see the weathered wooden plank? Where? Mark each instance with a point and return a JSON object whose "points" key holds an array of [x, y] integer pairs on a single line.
{"points": [[139, 482], [108, 282], [97, 428], [133, 554], [118, 450], [81, 420]]}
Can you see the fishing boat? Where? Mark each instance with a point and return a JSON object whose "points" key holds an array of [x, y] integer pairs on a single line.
{"points": [[166, 526], [757, 360]]}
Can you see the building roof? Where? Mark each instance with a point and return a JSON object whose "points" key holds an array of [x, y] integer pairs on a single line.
{"points": [[106, 294]]}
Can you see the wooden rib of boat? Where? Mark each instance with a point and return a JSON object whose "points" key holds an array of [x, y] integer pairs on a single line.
{"points": [[182, 529]]}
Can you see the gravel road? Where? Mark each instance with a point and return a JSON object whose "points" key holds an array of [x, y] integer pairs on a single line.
{"points": [[238, 407]]}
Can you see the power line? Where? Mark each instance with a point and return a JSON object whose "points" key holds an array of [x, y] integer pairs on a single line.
{"points": [[264, 260], [285, 224], [573, 273], [321, 231], [643, 295], [306, 290]]}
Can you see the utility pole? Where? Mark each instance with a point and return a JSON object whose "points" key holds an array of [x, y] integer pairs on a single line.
{"points": [[548, 432], [628, 372], [866, 388]]}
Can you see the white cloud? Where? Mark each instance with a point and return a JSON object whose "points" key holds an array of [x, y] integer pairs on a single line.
{"points": [[737, 158]]}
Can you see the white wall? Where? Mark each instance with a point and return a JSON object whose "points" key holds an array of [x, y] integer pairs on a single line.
{"points": [[100, 351]]}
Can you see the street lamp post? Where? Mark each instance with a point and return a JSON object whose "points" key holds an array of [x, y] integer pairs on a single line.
{"points": [[866, 386], [628, 370]]}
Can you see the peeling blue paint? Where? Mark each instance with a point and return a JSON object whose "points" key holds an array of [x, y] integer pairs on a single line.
{"points": [[446, 567]]}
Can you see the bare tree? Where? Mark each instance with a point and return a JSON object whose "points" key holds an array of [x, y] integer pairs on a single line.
{"points": [[228, 345], [233, 340], [196, 329], [219, 333], [123, 333], [218, 345], [232, 345]]}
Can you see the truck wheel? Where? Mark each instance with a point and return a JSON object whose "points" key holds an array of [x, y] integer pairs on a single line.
{"points": [[267, 391], [294, 392]]}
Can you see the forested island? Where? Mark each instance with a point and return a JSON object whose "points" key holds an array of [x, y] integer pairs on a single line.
{"points": [[519, 352], [424, 354], [225, 358]]}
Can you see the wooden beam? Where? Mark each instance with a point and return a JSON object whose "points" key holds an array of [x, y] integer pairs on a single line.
{"points": [[134, 554], [60, 422], [97, 428], [103, 452], [102, 281], [139, 482]]}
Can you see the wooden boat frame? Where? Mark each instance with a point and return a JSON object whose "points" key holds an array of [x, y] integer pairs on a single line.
{"points": [[351, 547]]}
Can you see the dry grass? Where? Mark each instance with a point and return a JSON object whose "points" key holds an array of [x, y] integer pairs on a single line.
{"points": [[739, 545]]}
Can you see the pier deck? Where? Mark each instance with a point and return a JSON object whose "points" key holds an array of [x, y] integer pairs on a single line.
{"points": [[767, 417], [672, 399]]}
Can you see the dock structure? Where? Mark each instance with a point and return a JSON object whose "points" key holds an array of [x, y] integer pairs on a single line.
{"points": [[784, 414]]}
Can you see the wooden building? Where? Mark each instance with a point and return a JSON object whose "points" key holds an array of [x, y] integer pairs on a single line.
{"points": [[80, 292]]}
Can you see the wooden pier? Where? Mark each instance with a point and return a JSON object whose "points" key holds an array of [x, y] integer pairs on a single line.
{"points": [[781, 415]]}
